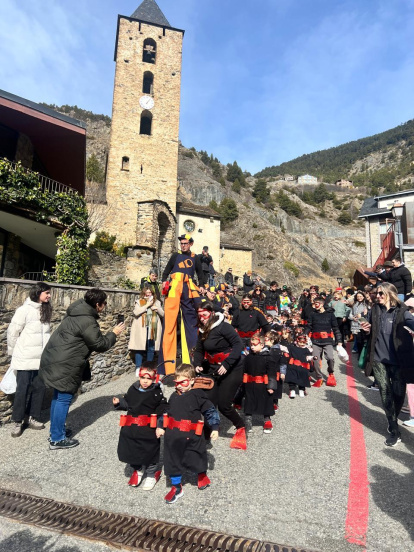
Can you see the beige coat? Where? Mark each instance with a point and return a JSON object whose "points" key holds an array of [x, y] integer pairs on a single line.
{"points": [[138, 337]]}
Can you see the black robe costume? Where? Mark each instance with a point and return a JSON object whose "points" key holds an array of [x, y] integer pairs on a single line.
{"points": [[184, 450], [298, 368], [138, 445], [258, 400]]}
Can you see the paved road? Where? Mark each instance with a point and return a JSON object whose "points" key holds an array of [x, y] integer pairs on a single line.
{"points": [[289, 487]]}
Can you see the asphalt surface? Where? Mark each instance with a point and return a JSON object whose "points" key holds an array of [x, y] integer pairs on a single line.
{"points": [[289, 487]]}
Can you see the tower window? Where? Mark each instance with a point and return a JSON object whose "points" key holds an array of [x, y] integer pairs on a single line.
{"points": [[125, 163], [148, 83], [150, 51], [146, 123]]}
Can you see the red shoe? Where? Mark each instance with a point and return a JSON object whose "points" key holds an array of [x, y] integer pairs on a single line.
{"points": [[136, 478], [276, 407], [174, 494], [203, 481], [331, 381], [267, 427], [237, 406], [239, 439], [318, 383]]}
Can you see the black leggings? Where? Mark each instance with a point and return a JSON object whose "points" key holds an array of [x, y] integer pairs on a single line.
{"points": [[222, 394]]}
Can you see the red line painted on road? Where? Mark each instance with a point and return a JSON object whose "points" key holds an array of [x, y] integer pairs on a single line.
{"points": [[356, 524]]}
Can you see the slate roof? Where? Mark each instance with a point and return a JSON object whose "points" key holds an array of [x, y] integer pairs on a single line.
{"points": [[192, 209], [150, 12], [370, 208]]}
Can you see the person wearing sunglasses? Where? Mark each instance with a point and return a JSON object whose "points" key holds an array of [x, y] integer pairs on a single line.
{"points": [[391, 353], [184, 442], [139, 444], [218, 356]]}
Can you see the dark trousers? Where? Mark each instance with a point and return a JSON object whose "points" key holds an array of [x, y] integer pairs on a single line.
{"points": [[29, 395], [222, 395], [392, 389], [342, 328]]}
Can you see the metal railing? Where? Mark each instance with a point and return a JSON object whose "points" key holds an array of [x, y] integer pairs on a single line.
{"points": [[48, 184], [388, 247], [39, 276]]}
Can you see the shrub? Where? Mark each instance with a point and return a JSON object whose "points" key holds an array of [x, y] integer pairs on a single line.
{"points": [[344, 219], [254, 225], [189, 154], [126, 283], [236, 186], [292, 267], [359, 243], [325, 265], [104, 241], [288, 205]]}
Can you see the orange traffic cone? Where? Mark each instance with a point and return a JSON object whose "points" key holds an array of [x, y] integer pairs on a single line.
{"points": [[239, 439]]}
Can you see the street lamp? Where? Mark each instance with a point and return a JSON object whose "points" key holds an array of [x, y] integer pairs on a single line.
{"points": [[397, 212], [339, 280]]}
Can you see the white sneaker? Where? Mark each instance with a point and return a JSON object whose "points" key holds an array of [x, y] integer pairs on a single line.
{"points": [[301, 393], [292, 394], [409, 423], [149, 484]]}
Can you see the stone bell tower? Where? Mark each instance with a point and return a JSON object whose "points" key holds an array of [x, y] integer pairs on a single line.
{"points": [[141, 182]]}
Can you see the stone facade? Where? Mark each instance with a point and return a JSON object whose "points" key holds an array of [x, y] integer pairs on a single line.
{"points": [[143, 167], [105, 366], [11, 263], [106, 268], [239, 260]]}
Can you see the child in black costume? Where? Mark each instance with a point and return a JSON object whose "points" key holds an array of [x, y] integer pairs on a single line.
{"points": [[300, 365], [260, 378], [138, 444], [184, 442], [281, 356]]}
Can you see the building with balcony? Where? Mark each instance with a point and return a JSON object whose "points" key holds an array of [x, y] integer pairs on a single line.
{"points": [[46, 150], [386, 234]]}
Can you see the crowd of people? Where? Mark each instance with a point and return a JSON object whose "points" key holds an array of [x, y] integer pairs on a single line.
{"points": [[230, 352]]}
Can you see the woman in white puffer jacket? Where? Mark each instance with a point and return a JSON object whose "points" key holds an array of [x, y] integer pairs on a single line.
{"points": [[27, 335]]}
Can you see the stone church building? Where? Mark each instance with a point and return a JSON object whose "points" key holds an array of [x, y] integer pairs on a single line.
{"points": [[141, 180]]}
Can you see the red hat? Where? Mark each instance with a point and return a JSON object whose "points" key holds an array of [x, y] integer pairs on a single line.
{"points": [[338, 289]]}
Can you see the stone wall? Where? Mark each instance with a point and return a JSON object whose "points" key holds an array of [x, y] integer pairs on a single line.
{"points": [[11, 264], [105, 366]]}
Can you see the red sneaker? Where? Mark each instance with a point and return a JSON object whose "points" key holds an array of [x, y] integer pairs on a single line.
{"points": [[239, 439], [276, 407], [318, 383], [237, 406], [174, 494], [331, 381], [203, 481], [136, 478], [267, 427]]}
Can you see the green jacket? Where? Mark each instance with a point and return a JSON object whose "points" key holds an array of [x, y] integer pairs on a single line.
{"points": [[341, 309], [64, 357]]}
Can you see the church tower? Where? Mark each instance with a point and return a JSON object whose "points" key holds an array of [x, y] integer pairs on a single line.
{"points": [[141, 182]]}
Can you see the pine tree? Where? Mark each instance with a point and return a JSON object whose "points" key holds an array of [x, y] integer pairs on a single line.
{"points": [[325, 265]]}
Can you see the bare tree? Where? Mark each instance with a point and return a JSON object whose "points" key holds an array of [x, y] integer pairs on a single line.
{"points": [[98, 209]]}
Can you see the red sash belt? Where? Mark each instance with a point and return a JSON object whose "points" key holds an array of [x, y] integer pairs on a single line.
{"points": [[138, 420], [299, 363], [183, 425], [255, 379], [217, 358], [246, 334], [321, 335], [270, 307]]}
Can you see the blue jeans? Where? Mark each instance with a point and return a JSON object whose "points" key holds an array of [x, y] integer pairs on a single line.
{"points": [[150, 350], [58, 413]]}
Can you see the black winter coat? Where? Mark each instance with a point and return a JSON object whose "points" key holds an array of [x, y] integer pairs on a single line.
{"points": [[64, 357], [403, 342], [400, 277], [258, 400], [222, 339]]}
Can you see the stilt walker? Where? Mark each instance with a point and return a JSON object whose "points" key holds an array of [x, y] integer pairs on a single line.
{"points": [[183, 296]]}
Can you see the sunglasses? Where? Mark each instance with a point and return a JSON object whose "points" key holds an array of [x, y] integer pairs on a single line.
{"points": [[381, 293], [183, 382]]}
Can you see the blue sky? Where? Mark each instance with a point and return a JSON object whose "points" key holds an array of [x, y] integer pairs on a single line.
{"points": [[264, 81]]}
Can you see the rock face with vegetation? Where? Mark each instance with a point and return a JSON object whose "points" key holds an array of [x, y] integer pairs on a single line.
{"points": [[300, 233]]}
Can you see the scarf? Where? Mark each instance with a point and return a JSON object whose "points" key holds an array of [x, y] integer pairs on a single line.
{"points": [[149, 319]]}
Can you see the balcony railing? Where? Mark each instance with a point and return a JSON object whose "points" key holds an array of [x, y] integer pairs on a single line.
{"points": [[388, 247], [48, 184], [39, 276]]}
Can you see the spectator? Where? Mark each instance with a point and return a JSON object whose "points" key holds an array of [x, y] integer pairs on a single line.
{"points": [[64, 359], [248, 282], [206, 260], [151, 281], [391, 350], [228, 277], [398, 275], [146, 329], [27, 335], [359, 309]]}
